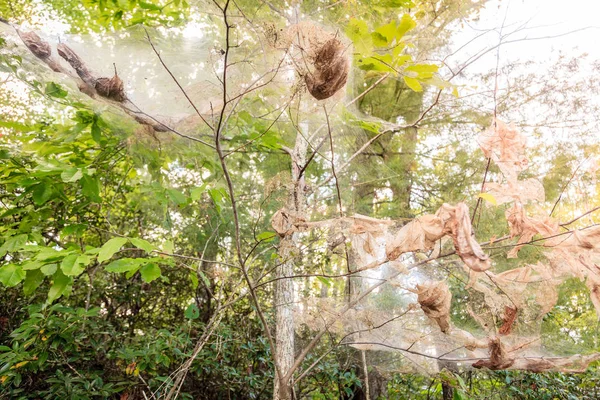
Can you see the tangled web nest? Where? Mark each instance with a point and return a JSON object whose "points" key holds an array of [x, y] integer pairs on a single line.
{"points": [[319, 56], [493, 320]]}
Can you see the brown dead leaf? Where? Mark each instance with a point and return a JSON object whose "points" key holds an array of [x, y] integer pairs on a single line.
{"points": [[510, 315], [435, 299], [418, 235], [498, 357], [39, 47], [506, 147], [526, 228], [457, 224], [111, 88]]}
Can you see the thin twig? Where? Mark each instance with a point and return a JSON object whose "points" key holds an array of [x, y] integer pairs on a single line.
{"points": [[562, 191], [176, 81]]}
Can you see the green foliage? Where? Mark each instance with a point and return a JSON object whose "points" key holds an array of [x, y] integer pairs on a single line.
{"points": [[99, 363], [117, 248], [100, 15], [384, 50]]}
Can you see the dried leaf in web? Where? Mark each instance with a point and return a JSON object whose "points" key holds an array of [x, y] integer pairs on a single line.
{"points": [[458, 225], [593, 284], [285, 222], [77, 63], [499, 358], [468, 340], [532, 282], [510, 315], [111, 88], [577, 253], [36, 45], [573, 364], [524, 227], [368, 239], [418, 235], [41, 49], [520, 191], [422, 233], [435, 300], [587, 239], [506, 146]]}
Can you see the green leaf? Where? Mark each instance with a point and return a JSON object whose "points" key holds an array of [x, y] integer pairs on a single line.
{"points": [[217, 196], [83, 259], [31, 265], [194, 279], [71, 175], [49, 269], [196, 193], [438, 82], [96, 133], [74, 229], [42, 193], [60, 286], [90, 187], [48, 254], [378, 39], [324, 281], [423, 71], [407, 23], [123, 265], [110, 248], [150, 272], [33, 280], [358, 31], [70, 265], [413, 84], [13, 243], [204, 278], [142, 244], [383, 63], [192, 311], [489, 198], [168, 246], [132, 271], [266, 236], [370, 126], [55, 90], [384, 35], [149, 6], [176, 196], [11, 275], [397, 50]]}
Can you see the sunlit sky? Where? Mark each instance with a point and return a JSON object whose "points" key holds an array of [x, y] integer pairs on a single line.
{"points": [[572, 27]]}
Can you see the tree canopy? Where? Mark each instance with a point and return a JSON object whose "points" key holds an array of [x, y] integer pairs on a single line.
{"points": [[308, 199]]}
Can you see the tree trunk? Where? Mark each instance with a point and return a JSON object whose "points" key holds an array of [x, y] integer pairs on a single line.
{"points": [[284, 288], [447, 391], [404, 165], [377, 385]]}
